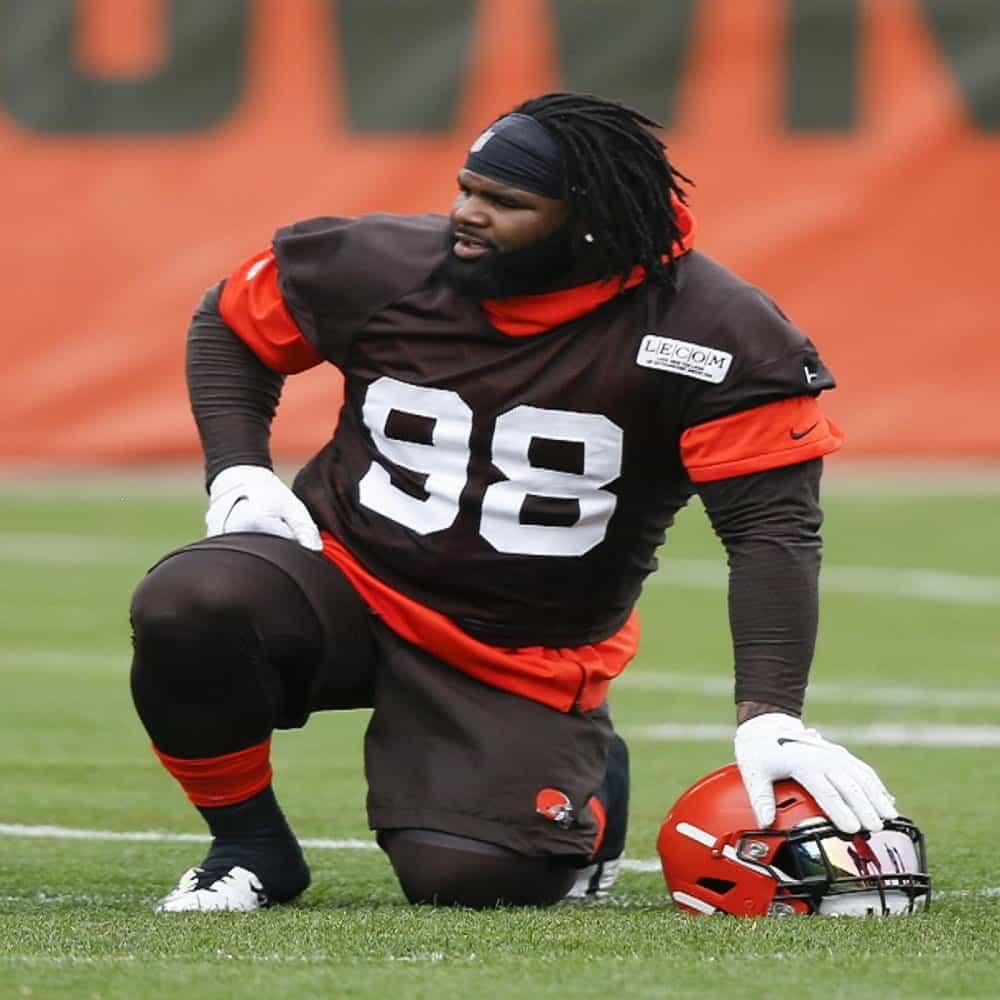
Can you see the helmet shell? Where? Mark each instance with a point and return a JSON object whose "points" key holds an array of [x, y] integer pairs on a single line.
{"points": [[715, 857]]}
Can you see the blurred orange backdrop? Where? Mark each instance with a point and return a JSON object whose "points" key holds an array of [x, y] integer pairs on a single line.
{"points": [[875, 226]]}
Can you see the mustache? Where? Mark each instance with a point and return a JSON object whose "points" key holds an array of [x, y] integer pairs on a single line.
{"points": [[540, 266]]}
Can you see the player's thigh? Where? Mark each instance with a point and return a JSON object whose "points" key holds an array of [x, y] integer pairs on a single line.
{"points": [[312, 627], [446, 752]]}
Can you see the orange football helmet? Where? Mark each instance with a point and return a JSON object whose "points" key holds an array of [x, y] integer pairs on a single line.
{"points": [[716, 859]]}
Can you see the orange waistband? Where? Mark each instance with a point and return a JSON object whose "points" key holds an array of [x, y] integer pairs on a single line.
{"points": [[562, 678]]}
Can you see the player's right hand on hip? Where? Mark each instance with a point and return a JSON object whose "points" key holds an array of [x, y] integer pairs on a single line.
{"points": [[253, 498], [773, 746]]}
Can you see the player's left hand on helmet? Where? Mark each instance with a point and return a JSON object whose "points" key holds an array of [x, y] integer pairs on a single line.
{"points": [[253, 498], [774, 746]]}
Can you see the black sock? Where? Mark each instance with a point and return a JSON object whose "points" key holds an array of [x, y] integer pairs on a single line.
{"points": [[255, 835]]}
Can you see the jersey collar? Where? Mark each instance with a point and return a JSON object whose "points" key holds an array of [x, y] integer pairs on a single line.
{"points": [[527, 315]]}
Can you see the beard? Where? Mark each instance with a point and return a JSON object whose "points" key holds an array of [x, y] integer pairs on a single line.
{"points": [[546, 265]]}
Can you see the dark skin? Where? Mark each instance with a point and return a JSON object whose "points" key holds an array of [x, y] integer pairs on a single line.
{"points": [[491, 216], [749, 709]]}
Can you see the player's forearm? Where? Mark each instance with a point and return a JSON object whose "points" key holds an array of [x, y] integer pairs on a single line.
{"points": [[769, 524], [233, 395], [773, 611]]}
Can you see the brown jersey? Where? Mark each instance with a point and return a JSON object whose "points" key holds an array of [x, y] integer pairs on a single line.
{"points": [[521, 485]]}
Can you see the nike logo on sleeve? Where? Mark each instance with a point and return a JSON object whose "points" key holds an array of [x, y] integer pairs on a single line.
{"points": [[798, 435]]}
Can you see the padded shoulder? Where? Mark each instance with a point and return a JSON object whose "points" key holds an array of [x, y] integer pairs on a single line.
{"points": [[335, 272], [735, 315], [769, 357]]}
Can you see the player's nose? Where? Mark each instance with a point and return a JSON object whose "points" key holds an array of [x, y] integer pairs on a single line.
{"points": [[470, 212]]}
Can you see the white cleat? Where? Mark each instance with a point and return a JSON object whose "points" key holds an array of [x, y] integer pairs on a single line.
{"points": [[236, 890], [595, 881]]}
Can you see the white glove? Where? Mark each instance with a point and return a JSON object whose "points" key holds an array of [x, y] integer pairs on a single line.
{"points": [[253, 498], [773, 746]]}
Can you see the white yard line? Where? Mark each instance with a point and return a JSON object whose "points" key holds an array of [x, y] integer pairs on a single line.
{"points": [[942, 586], [876, 581], [74, 549], [641, 865], [890, 734], [156, 836], [79, 659], [853, 694], [16, 830], [633, 679]]}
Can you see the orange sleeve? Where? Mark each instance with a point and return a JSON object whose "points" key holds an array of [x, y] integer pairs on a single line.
{"points": [[254, 309], [766, 437]]}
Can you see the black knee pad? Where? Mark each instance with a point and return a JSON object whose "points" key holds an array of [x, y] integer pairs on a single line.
{"points": [[203, 679], [189, 593], [448, 870]]}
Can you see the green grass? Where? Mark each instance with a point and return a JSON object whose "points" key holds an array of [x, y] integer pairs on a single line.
{"points": [[75, 915]]}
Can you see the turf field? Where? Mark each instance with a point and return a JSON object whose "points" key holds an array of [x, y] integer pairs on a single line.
{"points": [[906, 673]]}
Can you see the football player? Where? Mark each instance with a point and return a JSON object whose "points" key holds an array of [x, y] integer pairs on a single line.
{"points": [[534, 385]]}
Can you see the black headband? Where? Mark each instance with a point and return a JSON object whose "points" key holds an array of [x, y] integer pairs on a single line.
{"points": [[517, 150]]}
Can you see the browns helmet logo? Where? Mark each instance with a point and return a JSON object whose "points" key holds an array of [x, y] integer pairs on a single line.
{"points": [[556, 806]]}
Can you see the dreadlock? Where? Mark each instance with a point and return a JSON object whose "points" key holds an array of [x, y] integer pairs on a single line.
{"points": [[620, 184]]}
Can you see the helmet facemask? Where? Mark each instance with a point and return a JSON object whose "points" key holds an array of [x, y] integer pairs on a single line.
{"points": [[819, 869]]}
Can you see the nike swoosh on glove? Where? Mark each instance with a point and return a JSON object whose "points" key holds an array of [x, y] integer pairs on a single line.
{"points": [[253, 498], [773, 746]]}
